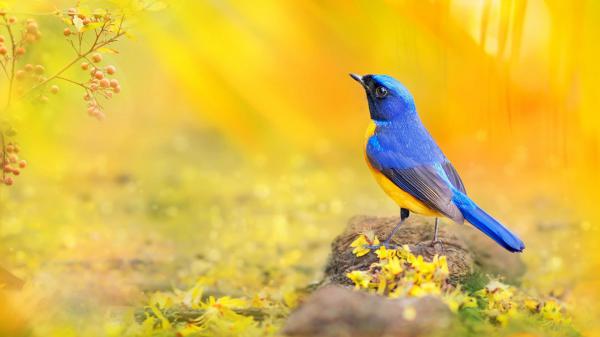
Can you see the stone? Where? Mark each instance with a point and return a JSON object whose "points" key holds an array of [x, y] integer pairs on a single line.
{"points": [[416, 232], [336, 311]]}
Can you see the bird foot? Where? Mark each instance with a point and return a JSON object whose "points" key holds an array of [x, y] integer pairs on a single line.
{"points": [[387, 245], [438, 243]]}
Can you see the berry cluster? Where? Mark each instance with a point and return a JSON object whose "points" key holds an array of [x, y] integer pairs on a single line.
{"points": [[11, 163], [89, 33], [106, 30], [100, 83], [19, 37]]}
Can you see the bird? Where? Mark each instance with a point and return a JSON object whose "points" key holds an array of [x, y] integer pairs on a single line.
{"points": [[412, 169]]}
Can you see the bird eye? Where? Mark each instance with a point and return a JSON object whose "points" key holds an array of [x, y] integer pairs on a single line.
{"points": [[381, 92]]}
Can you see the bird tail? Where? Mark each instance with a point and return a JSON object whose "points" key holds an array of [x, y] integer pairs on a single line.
{"points": [[485, 223]]}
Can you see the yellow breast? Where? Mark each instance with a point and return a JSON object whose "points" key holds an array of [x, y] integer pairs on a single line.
{"points": [[403, 199]]}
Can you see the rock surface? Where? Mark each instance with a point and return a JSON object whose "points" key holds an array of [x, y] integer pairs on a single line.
{"points": [[416, 232], [467, 250], [334, 311]]}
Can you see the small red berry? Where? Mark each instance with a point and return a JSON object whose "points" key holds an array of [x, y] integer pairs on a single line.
{"points": [[3, 50], [1, 39], [16, 172], [22, 164], [20, 51], [8, 181], [66, 32], [114, 83], [32, 27], [99, 75], [30, 37], [111, 70], [104, 83], [96, 58], [10, 148], [85, 66], [12, 20], [117, 89]]}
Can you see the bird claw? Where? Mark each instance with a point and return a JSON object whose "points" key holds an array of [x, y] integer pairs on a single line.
{"points": [[387, 245], [435, 243]]}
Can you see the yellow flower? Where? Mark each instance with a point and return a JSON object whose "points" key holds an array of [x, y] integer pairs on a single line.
{"points": [[441, 263], [427, 288], [393, 266], [457, 299], [431, 288], [384, 253], [361, 279], [381, 285], [531, 304], [423, 267], [361, 244], [551, 311]]}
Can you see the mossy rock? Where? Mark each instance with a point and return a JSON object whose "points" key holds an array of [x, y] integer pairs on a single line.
{"points": [[468, 251]]}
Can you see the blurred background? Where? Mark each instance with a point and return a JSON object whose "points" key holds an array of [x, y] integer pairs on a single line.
{"points": [[239, 134]]}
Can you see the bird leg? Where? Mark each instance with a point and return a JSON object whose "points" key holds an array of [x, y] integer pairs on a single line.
{"points": [[435, 235], [404, 213]]}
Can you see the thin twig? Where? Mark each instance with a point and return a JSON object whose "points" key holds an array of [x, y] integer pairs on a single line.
{"points": [[73, 82], [70, 64], [13, 60]]}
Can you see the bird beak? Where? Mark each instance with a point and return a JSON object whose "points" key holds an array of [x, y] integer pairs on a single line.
{"points": [[358, 79]]}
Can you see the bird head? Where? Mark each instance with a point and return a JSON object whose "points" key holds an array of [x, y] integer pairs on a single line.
{"points": [[388, 99]]}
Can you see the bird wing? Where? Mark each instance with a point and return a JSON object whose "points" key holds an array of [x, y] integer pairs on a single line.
{"points": [[453, 176], [428, 183]]}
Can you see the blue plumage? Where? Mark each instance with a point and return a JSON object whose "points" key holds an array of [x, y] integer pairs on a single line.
{"points": [[402, 150], [487, 224]]}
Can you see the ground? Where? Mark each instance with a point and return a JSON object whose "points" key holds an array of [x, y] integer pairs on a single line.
{"points": [[98, 240]]}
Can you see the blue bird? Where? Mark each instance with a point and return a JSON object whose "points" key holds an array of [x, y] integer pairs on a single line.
{"points": [[411, 168]]}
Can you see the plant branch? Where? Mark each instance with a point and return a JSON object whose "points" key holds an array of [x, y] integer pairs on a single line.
{"points": [[73, 82], [11, 79], [92, 49]]}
